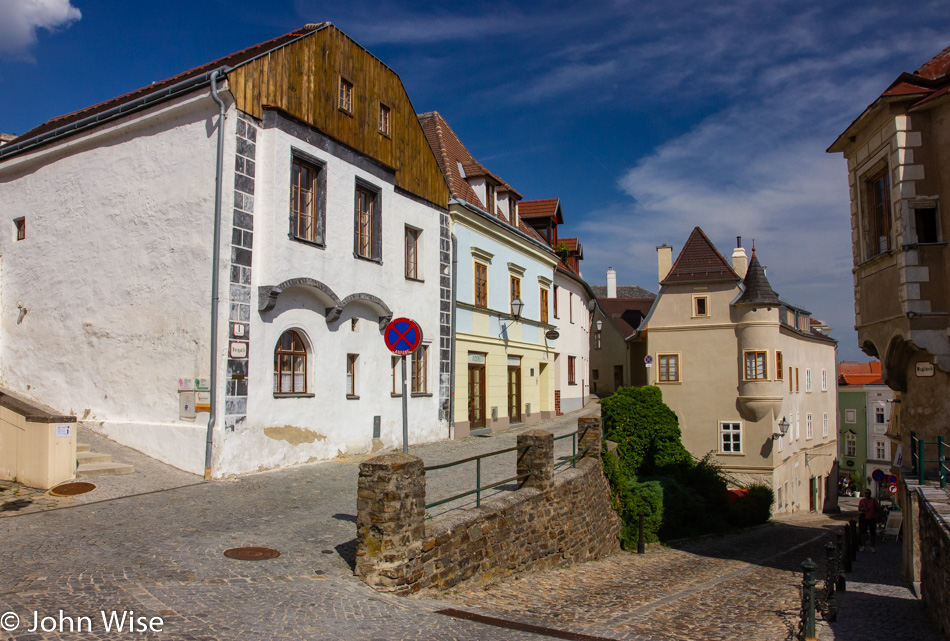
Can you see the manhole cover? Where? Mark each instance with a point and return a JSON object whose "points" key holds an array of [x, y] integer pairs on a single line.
{"points": [[72, 489], [252, 554]]}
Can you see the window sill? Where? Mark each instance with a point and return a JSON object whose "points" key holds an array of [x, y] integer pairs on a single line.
{"points": [[352, 397], [311, 243], [378, 261], [415, 280], [385, 135], [296, 395], [345, 111], [731, 454], [395, 395], [420, 394], [572, 384]]}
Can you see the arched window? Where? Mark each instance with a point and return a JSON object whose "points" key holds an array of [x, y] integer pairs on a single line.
{"points": [[290, 364]]}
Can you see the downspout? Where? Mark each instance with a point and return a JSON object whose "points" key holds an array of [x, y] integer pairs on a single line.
{"points": [[215, 266], [455, 271]]}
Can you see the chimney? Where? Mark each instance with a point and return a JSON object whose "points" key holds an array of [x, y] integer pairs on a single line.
{"points": [[740, 262], [664, 260], [611, 283]]}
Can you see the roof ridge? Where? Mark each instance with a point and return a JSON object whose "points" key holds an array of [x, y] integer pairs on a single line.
{"points": [[680, 271]]}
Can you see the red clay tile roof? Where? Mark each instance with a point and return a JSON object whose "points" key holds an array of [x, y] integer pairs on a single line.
{"points": [[547, 208], [700, 261], [624, 291], [449, 152], [231, 60], [625, 313], [854, 373], [930, 81]]}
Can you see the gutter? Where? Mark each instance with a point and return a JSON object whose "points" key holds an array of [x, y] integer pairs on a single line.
{"points": [[455, 271], [162, 95], [497, 221], [216, 272]]}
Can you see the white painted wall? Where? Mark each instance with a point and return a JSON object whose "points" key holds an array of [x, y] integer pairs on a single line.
{"points": [[574, 340], [329, 423], [115, 274]]}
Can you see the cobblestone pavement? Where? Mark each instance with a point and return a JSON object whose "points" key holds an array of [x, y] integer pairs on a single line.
{"points": [[160, 553]]}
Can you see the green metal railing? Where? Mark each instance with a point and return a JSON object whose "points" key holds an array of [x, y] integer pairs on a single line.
{"points": [[574, 457], [478, 475], [919, 461]]}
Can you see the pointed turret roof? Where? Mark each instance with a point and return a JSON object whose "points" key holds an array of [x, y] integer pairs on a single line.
{"points": [[700, 261], [758, 291]]}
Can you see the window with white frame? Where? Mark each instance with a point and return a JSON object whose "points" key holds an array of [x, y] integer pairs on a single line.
{"points": [[879, 415], [730, 437], [798, 425], [824, 380], [851, 416], [809, 430], [880, 450], [850, 444], [824, 424], [808, 380]]}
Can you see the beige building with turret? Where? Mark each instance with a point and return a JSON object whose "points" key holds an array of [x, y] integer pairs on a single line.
{"points": [[737, 365]]}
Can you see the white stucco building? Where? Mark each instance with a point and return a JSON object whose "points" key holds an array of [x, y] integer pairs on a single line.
{"points": [[332, 218]]}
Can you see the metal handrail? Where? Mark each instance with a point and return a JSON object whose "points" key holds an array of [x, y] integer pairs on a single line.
{"points": [[478, 475], [919, 461]]}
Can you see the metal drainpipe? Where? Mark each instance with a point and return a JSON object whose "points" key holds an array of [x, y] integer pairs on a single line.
{"points": [[215, 265], [455, 263]]}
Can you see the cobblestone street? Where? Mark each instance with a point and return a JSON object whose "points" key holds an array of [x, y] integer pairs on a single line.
{"points": [[161, 554]]}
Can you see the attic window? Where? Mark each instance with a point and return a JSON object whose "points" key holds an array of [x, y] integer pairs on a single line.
{"points": [[461, 169], [346, 95], [490, 197], [384, 112], [20, 225]]}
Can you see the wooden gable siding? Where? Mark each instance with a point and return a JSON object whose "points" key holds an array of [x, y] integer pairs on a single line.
{"points": [[303, 79]]}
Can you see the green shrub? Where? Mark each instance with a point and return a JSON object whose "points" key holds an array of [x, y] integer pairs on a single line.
{"points": [[645, 429], [754, 508]]}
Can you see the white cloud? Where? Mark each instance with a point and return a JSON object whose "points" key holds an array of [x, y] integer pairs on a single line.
{"points": [[21, 19]]}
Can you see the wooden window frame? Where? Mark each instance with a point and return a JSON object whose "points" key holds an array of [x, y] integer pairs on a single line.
{"points": [[544, 305], [297, 350], [418, 379], [779, 366], [490, 197], [367, 221], [735, 429], [660, 367], [514, 289], [697, 298], [571, 370], [317, 188], [19, 226], [412, 252], [481, 285], [555, 302], [346, 96], [877, 211], [385, 120], [352, 371], [755, 354]]}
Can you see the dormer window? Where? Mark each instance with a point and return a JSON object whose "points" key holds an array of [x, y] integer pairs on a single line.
{"points": [[346, 95], [512, 210], [490, 197]]}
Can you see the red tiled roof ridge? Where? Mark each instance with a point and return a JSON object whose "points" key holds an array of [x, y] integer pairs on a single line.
{"points": [[936, 67], [236, 57]]}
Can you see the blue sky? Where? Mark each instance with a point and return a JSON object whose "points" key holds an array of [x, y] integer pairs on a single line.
{"points": [[645, 118]]}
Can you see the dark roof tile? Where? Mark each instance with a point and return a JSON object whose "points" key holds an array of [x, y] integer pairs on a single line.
{"points": [[700, 261]]}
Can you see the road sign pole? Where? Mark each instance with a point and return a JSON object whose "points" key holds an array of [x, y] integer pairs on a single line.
{"points": [[405, 410]]}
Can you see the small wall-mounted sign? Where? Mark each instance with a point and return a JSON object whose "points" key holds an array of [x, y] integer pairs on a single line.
{"points": [[203, 401], [203, 384], [925, 369], [237, 329], [552, 334], [238, 349], [64, 431], [186, 384], [476, 359]]}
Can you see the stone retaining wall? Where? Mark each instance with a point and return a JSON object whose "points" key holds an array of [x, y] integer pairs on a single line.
{"points": [[935, 548], [549, 521]]}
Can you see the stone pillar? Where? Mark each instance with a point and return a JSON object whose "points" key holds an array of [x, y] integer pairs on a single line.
{"points": [[592, 438], [538, 459], [390, 522]]}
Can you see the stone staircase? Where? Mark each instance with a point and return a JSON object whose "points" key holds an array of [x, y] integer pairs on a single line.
{"points": [[89, 463]]}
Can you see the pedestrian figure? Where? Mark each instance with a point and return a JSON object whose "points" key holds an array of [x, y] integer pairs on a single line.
{"points": [[869, 509]]}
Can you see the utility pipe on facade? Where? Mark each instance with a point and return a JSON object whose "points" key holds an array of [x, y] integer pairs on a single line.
{"points": [[215, 274]]}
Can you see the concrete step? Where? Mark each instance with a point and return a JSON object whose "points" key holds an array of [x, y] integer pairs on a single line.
{"points": [[485, 431], [103, 469], [83, 458], [82, 447]]}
